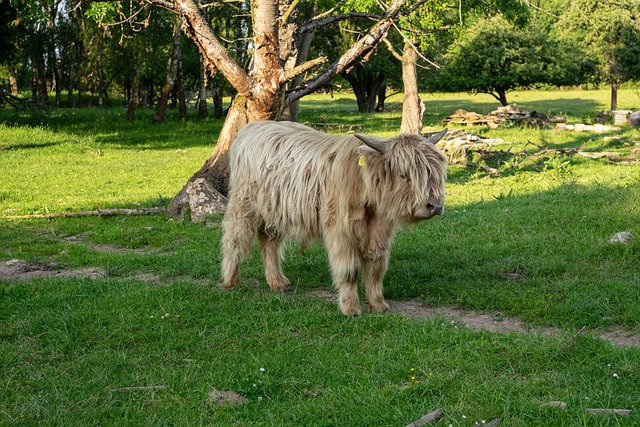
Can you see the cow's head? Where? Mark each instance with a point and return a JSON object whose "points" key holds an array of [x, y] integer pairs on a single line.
{"points": [[405, 176]]}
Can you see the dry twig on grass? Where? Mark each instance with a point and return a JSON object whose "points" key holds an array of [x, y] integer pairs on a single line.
{"points": [[97, 212]]}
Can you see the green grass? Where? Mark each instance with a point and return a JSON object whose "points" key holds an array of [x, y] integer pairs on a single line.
{"points": [[69, 347]]}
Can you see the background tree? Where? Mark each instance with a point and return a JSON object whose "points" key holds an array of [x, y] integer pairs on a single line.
{"points": [[13, 29], [495, 56], [261, 93], [608, 34]]}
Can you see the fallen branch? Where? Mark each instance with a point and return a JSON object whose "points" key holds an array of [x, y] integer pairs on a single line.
{"points": [[602, 411], [142, 388], [611, 156], [97, 212], [430, 418], [485, 167]]}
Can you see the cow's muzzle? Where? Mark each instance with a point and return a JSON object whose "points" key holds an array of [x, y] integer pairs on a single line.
{"points": [[435, 208]]}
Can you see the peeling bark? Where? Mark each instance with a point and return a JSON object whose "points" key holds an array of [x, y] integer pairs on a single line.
{"points": [[261, 93]]}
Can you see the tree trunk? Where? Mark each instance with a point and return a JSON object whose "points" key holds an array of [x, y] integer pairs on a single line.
{"points": [[43, 94], [58, 87], [182, 98], [90, 90], [382, 97], [13, 80], [170, 76], [261, 95], [34, 79], [52, 55], [411, 117], [134, 100], [303, 54], [614, 95], [366, 86], [101, 88], [501, 96], [79, 85], [72, 63], [217, 95], [206, 191], [202, 97]]}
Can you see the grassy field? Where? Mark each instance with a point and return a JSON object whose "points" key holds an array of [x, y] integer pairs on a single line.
{"points": [[127, 328]]}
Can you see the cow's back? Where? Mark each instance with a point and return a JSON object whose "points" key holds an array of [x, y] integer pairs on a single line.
{"points": [[285, 173]]}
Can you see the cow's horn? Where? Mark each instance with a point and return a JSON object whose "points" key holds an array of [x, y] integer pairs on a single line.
{"points": [[376, 144], [437, 136]]}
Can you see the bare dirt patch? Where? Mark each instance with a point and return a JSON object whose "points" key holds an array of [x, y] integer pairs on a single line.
{"points": [[20, 270], [495, 322], [621, 338], [82, 239]]}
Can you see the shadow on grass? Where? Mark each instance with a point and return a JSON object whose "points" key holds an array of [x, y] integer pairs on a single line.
{"points": [[109, 126], [544, 257]]}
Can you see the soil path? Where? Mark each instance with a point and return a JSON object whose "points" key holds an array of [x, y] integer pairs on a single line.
{"points": [[20, 270]]}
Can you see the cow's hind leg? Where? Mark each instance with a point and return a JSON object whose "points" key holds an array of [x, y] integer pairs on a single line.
{"points": [[236, 245], [271, 248], [374, 271]]}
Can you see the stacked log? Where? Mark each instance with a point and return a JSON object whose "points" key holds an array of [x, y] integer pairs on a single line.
{"points": [[509, 113]]}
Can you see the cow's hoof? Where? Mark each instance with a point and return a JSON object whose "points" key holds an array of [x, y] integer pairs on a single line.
{"points": [[379, 308], [351, 311], [280, 289], [279, 285], [225, 286]]}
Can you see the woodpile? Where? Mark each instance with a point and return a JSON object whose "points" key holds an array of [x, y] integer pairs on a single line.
{"points": [[465, 148], [510, 113], [478, 152]]}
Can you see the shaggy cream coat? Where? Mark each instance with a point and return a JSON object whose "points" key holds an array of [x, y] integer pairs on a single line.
{"points": [[289, 181]]}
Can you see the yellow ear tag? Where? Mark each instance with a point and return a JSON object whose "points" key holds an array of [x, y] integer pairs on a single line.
{"points": [[362, 161]]}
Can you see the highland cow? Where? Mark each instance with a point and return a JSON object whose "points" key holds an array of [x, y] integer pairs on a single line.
{"points": [[289, 181]]}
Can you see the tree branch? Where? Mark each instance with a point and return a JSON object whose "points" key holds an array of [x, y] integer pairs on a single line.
{"points": [[294, 4], [392, 49], [330, 11], [197, 28], [302, 68], [164, 4], [414, 8], [362, 47], [314, 24]]}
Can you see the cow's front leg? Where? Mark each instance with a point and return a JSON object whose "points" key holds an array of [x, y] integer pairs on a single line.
{"points": [[374, 271], [271, 248], [376, 260], [344, 269]]}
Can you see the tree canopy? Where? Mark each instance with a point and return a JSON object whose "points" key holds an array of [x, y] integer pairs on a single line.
{"points": [[608, 34], [495, 56]]}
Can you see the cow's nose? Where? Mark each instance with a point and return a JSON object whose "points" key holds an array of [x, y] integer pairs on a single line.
{"points": [[435, 208]]}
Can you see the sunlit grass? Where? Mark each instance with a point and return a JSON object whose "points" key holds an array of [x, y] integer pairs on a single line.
{"points": [[72, 350]]}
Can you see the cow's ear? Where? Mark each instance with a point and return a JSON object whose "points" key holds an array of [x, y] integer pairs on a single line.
{"points": [[433, 139], [380, 145]]}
